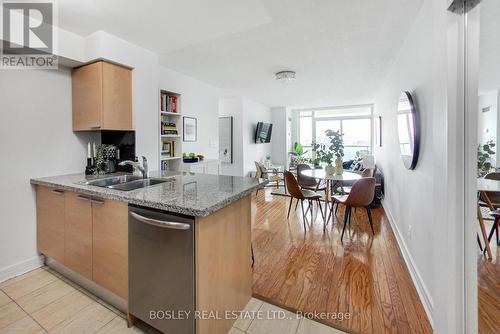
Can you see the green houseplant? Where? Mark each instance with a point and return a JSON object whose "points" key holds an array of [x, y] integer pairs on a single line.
{"points": [[323, 153], [297, 155], [337, 147], [484, 153]]}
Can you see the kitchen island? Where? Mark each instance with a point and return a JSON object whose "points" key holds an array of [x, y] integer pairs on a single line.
{"points": [[86, 231]]}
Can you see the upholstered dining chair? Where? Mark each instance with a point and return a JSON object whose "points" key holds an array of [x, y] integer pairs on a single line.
{"points": [[368, 172], [361, 196], [301, 195], [308, 182], [261, 172]]}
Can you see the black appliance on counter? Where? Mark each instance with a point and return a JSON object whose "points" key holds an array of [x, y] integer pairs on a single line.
{"points": [[124, 142]]}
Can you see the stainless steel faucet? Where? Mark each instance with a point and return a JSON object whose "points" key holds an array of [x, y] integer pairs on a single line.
{"points": [[143, 169]]}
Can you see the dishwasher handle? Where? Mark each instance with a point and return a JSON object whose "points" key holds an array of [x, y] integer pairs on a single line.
{"points": [[161, 223]]}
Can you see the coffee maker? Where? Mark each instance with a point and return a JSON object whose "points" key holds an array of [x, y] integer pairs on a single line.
{"points": [[111, 157]]}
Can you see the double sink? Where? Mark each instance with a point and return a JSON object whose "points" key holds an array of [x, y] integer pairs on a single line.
{"points": [[125, 182]]}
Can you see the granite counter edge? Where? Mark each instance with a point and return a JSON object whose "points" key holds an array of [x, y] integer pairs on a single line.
{"points": [[152, 204]]}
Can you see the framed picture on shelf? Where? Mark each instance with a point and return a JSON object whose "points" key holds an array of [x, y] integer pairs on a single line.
{"points": [[190, 129], [226, 139]]}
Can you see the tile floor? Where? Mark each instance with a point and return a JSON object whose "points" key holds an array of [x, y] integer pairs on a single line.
{"points": [[42, 301]]}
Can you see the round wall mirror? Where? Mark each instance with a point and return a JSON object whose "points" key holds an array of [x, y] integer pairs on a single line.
{"points": [[408, 130]]}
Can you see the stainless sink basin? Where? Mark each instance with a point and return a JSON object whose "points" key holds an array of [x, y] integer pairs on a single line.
{"points": [[112, 181], [141, 183]]}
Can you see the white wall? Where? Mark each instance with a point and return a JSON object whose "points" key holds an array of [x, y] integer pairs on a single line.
{"points": [[36, 139], [254, 112], [417, 202], [280, 144], [246, 114]]}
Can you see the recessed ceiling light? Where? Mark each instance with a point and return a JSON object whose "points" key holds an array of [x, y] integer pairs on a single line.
{"points": [[285, 76]]}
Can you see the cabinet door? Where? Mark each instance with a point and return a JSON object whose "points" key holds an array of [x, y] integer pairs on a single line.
{"points": [[110, 240], [117, 97], [50, 222], [87, 97], [212, 168], [78, 249]]}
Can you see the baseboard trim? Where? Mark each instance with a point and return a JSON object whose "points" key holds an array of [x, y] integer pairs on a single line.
{"points": [[20, 268], [419, 283]]}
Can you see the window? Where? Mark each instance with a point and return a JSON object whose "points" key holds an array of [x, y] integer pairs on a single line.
{"points": [[354, 122]]}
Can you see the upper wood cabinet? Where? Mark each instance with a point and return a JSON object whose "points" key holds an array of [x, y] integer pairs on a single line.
{"points": [[102, 97], [50, 222]]}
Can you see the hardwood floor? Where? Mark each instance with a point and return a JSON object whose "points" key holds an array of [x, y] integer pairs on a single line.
{"points": [[489, 290], [365, 277]]}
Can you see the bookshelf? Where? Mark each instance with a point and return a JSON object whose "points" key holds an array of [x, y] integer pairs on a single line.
{"points": [[170, 130]]}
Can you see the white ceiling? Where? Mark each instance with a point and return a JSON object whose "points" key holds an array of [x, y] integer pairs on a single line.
{"points": [[161, 25], [341, 50], [489, 47]]}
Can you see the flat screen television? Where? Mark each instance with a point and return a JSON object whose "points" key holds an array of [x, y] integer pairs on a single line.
{"points": [[263, 132]]}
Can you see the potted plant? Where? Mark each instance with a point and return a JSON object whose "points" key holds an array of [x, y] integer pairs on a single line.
{"points": [[324, 154], [337, 147], [297, 155], [484, 153]]}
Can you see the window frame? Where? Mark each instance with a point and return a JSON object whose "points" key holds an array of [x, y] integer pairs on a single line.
{"points": [[315, 119]]}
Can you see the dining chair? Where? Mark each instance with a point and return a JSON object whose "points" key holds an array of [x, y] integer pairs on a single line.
{"points": [[361, 196], [308, 182], [368, 172], [494, 229], [493, 196], [261, 172], [301, 195]]}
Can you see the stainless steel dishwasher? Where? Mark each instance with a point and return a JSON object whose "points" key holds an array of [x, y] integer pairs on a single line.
{"points": [[161, 269]]}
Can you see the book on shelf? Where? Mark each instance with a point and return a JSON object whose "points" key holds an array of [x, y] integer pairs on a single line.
{"points": [[168, 148], [169, 129], [168, 103]]}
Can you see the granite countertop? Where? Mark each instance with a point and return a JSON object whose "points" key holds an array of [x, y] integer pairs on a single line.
{"points": [[185, 193]]}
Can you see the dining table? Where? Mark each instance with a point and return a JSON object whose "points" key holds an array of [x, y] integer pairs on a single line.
{"points": [[483, 187], [331, 181]]}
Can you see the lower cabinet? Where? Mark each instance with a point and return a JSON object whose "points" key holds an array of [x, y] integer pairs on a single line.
{"points": [[110, 245], [207, 166], [86, 234], [50, 222], [78, 239]]}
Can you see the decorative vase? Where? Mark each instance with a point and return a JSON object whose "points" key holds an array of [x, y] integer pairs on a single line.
{"points": [[329, 169], [339, 168]]}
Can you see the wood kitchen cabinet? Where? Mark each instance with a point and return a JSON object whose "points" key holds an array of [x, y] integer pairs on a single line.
{"points": [[78, 237], [110, 245], [85, 234], [50, 222], [102, 97]]}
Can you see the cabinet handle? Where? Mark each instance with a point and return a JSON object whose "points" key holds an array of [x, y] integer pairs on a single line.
{"points": [[95, 126], [97, 202], [161, 223], [58, 192], [83, 198]]}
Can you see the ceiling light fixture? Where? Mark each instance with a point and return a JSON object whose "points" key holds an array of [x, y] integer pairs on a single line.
{"points": [[285, 76]]}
